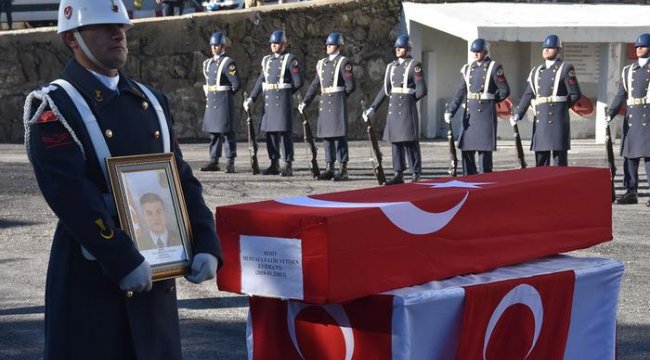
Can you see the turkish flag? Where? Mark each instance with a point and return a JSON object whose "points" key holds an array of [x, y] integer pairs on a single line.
{"points": [[517, 319], [293, 330]]}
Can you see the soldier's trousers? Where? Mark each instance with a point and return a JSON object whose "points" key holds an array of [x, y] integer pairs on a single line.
{"points": [[543, 158], [632, 166], [410, 150], [173, 8], [221, 140], [277, 139], [336, 148], [469, 162]]}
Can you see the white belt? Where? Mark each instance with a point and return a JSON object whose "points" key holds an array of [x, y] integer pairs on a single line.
{"points": [[479, 96], [217, 88], [550, 99], [637, 101], [332, 89], [266, 86], [400, 90]]}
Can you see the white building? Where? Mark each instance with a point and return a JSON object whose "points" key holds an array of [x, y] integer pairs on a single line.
{"points": [[596, 40]]}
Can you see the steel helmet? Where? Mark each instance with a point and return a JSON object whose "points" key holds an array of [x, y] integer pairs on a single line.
{"points": [[552, 42], [219, 38], [478, 45], [335, 39], [643, 40], [278, 36], [403, 42], [74, 14]]}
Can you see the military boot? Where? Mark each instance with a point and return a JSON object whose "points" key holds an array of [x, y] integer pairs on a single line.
{"points": [[287, 171], [329, 172], [274, 169], [212, 165], [230, 166], [398, 178], [342, 175], [628, 198]]}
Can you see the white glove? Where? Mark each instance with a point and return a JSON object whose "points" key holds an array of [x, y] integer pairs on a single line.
{"points": [[204, 267], [301, 107], [247, 103], [513, 119], [138, 280], [608, 120], [368, 114], [447, 117]]}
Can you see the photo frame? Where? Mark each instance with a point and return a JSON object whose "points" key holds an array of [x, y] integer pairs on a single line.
{"points": [[151, 209]]}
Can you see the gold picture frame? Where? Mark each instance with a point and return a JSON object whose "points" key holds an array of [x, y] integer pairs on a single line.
{"points": [[151, 209]]}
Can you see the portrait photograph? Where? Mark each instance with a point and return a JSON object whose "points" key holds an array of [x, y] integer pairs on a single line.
{"points": [[151, 210]]}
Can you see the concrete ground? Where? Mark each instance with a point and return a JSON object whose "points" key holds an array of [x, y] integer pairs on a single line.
{"points": [[213, 323]]}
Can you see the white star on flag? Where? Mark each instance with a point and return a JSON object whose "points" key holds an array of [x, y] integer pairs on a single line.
{"points": [[456, 184]]}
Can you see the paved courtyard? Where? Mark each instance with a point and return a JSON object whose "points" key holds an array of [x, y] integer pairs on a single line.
{"points": [[213, 323]]}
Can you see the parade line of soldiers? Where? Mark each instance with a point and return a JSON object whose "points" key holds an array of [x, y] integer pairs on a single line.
{"points": [[552, 89]]}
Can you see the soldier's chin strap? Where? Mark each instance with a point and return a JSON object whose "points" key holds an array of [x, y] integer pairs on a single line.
{"points": [[87, 52]]}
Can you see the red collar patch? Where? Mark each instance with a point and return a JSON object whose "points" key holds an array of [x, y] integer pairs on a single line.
{"points": [[46, 116]]}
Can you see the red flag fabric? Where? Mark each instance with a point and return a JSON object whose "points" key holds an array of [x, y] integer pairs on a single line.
{"points": [[342, 246], [291, 330], [517, 319]]}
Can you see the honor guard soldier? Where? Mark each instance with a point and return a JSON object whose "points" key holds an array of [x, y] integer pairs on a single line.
{"points": [[552, 89], [635, 92], [279, 79], [335, 80], [482, 87], [404, 85], [100, 302], [221, 83]]}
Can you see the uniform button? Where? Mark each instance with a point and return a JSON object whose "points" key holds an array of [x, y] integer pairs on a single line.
{"points": [[129, 294], [330, 110], [550, 121], [277, 97], [390, 113], [550, 114], [321, 109], [400, 104], [537, 121], [630, 114], [400, 113], [145, 105], [156, 134], [479, 110], [108, 133], [266, 97], [400, 97], [171, 289]]}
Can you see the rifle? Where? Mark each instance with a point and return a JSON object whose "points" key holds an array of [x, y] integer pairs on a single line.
{"points": [[610, 155], [518, 147], [376, 157], [453, 158], [252, 141], [311, 143]]}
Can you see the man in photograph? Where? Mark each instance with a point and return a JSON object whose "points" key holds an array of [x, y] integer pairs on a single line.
{"points": [[159, 233]]}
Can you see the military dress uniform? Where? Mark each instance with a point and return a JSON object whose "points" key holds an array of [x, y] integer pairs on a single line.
{"points": [[552, 90], [635, 92], [404, 85], [87, 315], [482, 87], [335, 80], [222, 82], [279, 79]]}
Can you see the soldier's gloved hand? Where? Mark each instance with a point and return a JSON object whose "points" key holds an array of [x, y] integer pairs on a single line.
{"points": [[367, 115], [301, 107], [608, 120], [138, 280], [247, 103], [513, 119], [447, 117], [204, 267]]}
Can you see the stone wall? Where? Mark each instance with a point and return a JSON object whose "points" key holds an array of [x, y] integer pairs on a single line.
{"points": [[168, 53]]}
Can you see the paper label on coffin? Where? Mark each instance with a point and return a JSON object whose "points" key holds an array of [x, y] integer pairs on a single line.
{"points": [[363, 242], [554, 308], [271, 266]]}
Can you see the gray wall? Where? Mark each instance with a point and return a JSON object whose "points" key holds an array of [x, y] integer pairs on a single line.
{"points": [[168, 52]]}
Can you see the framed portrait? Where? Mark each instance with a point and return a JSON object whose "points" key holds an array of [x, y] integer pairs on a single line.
{"points": [[151, 209]]}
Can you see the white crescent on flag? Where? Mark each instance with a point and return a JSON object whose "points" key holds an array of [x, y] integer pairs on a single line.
{"points": [[521, 294], [338, 314], [402, 214]]}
